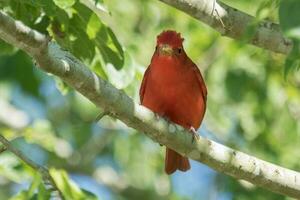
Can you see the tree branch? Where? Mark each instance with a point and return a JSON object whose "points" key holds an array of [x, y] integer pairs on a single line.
{"points": [[2, 149], [48, 181], [53, 59], [233, 23]]}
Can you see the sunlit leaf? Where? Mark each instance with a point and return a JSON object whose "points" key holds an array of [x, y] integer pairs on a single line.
{"points": [[62, 86], [289, 65], [93, 26], [69, 189], [123, 77], [289, 22], [6, 49], [98, 68], [64, 3], [289, 18]]}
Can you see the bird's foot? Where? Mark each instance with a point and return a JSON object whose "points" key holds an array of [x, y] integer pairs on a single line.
{"points": [[194, 133]]}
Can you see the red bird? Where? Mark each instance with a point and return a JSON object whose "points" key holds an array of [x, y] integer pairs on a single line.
{"points": [[173, 87]]}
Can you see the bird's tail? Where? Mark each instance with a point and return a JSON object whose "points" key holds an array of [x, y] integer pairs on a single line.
{"points": [[174, 161]]}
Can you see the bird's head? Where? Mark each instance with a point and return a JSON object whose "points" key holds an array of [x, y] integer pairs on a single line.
{"points": [[169, 43]]}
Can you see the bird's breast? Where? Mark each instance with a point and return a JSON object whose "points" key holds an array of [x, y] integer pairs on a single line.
{"points": [[174, 92], [167, 79]]}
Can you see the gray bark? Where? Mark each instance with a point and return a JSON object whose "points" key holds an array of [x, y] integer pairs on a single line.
{"points": [[233, 23]]}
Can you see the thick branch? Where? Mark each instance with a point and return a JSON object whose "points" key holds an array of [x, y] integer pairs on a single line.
{"points": [[54, 60], [234, 23]]}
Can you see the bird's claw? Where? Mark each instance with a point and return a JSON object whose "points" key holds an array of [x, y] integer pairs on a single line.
{"points": [[194, 133]]}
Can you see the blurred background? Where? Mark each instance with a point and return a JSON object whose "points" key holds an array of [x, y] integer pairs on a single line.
{"points": [[251, 107]]}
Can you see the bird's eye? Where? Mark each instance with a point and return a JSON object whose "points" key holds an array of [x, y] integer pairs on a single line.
{"points": [[156, 48], [179, 50]]}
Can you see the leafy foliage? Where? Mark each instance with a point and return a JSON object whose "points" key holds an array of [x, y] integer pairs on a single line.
{"points": [[72, 25], [290, 25]]}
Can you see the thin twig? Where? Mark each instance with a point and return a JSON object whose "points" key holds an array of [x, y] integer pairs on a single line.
{"points": [[92, 148], [218, 15], [48, 180], [101, 115], [2, 149], [220, 19], [214, 6]]}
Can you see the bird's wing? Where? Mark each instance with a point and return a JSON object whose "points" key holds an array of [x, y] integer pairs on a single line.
{"points": [[143, 85], [201, 81]]}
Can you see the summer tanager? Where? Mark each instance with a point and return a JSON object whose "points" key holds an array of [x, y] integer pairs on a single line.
{"points": [[173, 88]]}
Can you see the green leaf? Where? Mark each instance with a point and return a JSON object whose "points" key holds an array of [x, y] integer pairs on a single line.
{"points": [[63, 4], [36, 191], [43, 193], [25, 11], [98, 1], [61, 86], [6, 49], [115, 43], [9, 170], [83, 47], [98, 68], [110, 48], [236, 91], [51, 9], [289, 65], [293, 59], [42, 24], [69, 189], [289, 16], [121, 78], [20, 70], [34, 185], [93, 26], [266, 7]]}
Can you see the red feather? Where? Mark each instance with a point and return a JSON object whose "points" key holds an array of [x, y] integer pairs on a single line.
{"points": [[170, 37], [173, 87]]}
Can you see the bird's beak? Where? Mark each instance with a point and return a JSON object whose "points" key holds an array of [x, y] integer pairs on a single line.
{"points": [[165, 49]]}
